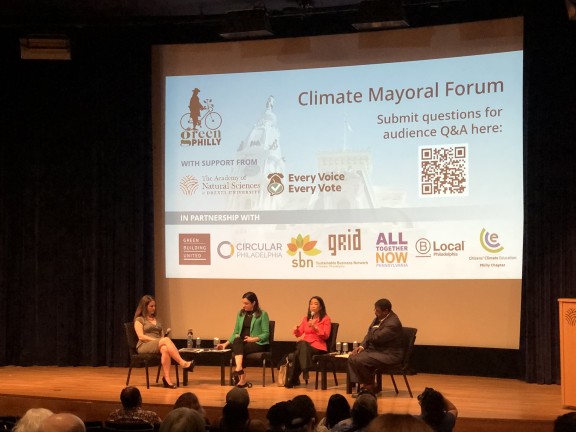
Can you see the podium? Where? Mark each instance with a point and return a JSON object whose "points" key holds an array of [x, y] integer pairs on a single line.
{"points": [[567, 320]]}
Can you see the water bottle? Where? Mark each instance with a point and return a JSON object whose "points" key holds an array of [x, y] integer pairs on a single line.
{"points": [[345, 347], [338, 347], [198, 343], [354, 345], [190, 339]]}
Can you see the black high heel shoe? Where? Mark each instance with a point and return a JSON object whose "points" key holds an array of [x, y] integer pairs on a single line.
{"points": [[166, 385], [190, 367], [236, 376], [236, 379]]}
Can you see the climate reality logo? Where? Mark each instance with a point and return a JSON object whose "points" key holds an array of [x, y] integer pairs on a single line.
{"points": [[201, 123], [489, 242], [302, 245]]}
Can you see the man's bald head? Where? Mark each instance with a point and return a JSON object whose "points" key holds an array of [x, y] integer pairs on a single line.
{"points": [[63, 422]]}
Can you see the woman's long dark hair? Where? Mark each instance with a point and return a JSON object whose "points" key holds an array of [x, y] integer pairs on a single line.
{"points": [[142, 309], [252, 298], [322, 312], [338, 409]]}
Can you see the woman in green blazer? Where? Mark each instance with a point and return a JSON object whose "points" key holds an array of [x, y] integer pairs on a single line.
{"points": [[251, 335]]}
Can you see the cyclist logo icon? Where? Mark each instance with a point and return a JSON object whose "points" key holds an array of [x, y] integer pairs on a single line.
{"points": [[193, 119]]}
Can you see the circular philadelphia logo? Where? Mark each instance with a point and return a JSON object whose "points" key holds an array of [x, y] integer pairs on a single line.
{"points": [[225, 250]]}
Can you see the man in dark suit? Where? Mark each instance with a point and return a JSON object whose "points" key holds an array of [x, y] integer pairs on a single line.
{"points": [[382, 345]]}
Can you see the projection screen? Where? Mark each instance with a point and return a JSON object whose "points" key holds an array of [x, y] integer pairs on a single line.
{"points": [[354, 167]]}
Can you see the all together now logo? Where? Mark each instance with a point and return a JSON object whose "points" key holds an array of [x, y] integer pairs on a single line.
{"points": [[201, 123]]}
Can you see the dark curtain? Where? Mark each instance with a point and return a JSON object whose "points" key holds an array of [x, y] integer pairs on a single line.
{"points": [[550, 186], [75, 185]]}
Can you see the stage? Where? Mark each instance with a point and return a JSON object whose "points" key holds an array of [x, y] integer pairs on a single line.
{"points": [[92, 392]]}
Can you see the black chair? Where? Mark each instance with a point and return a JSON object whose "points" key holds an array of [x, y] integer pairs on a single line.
{"points": [[140, 360], [7, 423], [93, 426], [403, 368], [129, 426], [331, 345], [263, 359]]}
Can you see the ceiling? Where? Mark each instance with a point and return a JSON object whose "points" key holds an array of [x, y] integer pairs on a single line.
{"points": [[202, 20]]}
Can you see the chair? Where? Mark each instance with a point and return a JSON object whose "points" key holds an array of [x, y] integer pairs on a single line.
{"points": [[93, 426], [131, 426], [403, 368], [140, 360], [331, 345], [7, 423], [261, 358]]}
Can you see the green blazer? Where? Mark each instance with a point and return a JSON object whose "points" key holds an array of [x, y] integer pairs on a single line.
{"points": [[260, 326]]}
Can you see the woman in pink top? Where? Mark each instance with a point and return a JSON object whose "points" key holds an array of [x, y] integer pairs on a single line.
{"points": [[311, 337]]}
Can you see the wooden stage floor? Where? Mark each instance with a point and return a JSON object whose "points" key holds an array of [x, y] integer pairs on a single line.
{"points": [[92, 392]]}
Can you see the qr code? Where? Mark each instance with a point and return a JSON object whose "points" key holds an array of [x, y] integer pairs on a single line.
{"points": [[443, 170]]}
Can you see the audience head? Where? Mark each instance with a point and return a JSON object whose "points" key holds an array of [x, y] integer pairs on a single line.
{"points": [[183, 420], [321, 311], [30, 421], [432, 406], [238, 395], [63, 422], [130, 397], [301, 414], [189, 400], [398, 423], [235, 415], [253, 299], [277, 416], [565, 423], [364, 410], [338, 409]]}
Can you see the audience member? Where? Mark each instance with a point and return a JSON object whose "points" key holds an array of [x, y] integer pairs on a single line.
{"points": [[382, 345], [30, 421], [131, 411], [277, 417], [235, 415], [338, 410], [437, 411], [398, 423], [190, 400], [183, 420], [565, 423], [301, 415], [63, 422], [364, 410]]}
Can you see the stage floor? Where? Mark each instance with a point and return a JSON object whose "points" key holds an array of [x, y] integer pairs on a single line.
{"points": [[92, 392]]}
